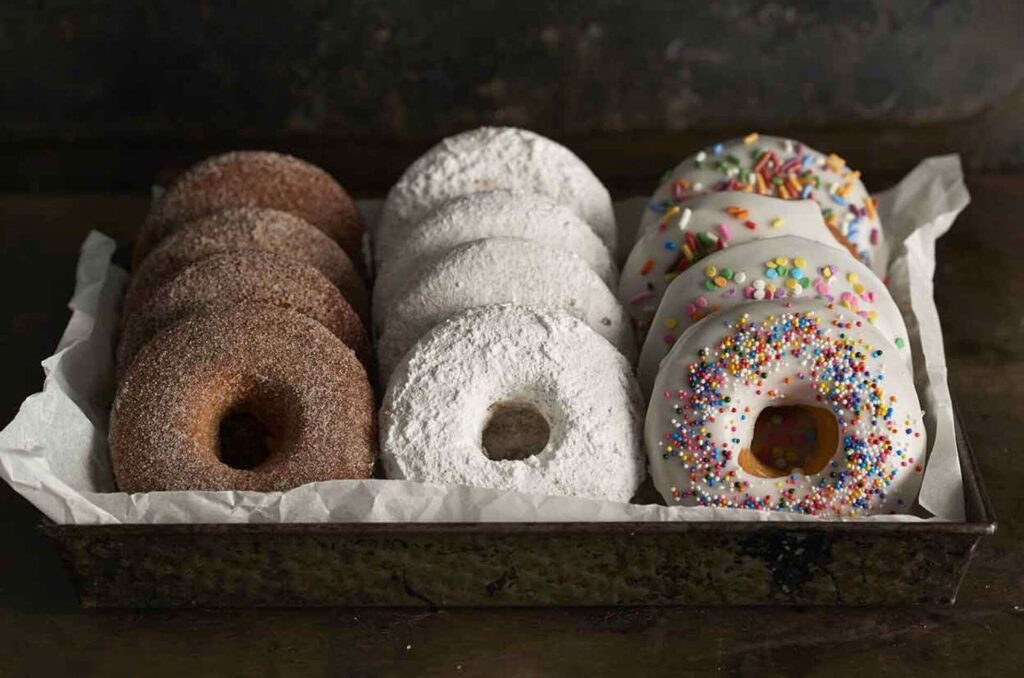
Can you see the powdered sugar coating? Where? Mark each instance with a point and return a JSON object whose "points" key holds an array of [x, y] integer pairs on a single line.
{"points": [[255, 179], [487, 158], [437, 405], [243, 229], [502, 270], [310, 390], [487, 214], [221, 282]]}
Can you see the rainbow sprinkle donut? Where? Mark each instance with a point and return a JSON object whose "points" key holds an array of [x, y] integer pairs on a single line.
{"points": [[786, 406], [782, 168], [777, 268], [705, 225]]}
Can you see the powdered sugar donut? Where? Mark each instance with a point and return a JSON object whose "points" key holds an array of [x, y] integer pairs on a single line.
{"points": [[497, 397], [484, 215], [844, 435], [786, 169], [495, 271], [704, 225], [488, 158], [777, 268]]}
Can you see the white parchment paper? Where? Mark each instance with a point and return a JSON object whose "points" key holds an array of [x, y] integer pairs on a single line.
{"points": [[54, 453]]}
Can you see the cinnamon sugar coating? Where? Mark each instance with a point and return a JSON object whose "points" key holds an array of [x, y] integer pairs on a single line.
{"points": [[221, 282], [306, 388], [242, 229], [255, 179]]}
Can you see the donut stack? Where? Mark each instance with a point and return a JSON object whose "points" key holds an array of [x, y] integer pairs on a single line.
{"points": [[243, 356], [776, 363], [506, 356]]}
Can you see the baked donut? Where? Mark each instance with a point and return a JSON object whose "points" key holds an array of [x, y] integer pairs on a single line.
{"points": [[501, 270], [703, 226], [778, 268], [255, 179], [222, 281], [783, 168], [497, 397], [485, 215], [252, 397], [247, 228], [487, 158], [786, 406]]}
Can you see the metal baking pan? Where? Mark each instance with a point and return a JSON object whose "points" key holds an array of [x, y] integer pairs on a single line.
{"points": [[528, 564]]}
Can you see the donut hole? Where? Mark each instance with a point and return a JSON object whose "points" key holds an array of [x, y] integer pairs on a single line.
{"points": [[253, 425], [789, 438], [514, 431], [244, 440]]}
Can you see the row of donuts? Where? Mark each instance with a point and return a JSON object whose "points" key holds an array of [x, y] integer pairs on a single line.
{"points": [[488, 216], [245, 314], [507, 357], [752, 289]]}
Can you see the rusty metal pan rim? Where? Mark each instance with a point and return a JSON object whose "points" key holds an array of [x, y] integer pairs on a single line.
{"points": [[627, 529]]}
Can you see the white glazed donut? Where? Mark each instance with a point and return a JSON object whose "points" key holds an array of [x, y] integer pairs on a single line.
{"points": [[777, 268], [707, 224], [478, 366], [784, 168], [495, 271], [493, 157], [484, 215], [864, 449]]}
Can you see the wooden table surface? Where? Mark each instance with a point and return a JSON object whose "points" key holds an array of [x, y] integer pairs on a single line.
{"points": [[979, 289]]}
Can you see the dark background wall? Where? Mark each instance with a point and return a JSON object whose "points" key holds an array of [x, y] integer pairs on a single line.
{"points": [[107, 95]]}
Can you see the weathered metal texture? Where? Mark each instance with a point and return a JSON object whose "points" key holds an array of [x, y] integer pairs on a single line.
{"points": [[703, 563], [469, 565], [97, 93]]}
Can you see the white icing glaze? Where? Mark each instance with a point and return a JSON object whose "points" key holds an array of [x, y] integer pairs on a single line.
{"points": [[726, 217], [715, 382], [726, 166], [437, 404], [484, 215], [487, 158], [776, 268], [502, 270]]}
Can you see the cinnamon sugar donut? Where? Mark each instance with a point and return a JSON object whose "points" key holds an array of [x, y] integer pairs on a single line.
{"points": [[255, 398], [222, 281], [255, 179], [247, 228]]}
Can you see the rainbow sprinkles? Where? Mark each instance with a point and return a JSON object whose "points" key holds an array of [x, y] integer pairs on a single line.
{"points": [[785, 169], [716, 381]]}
